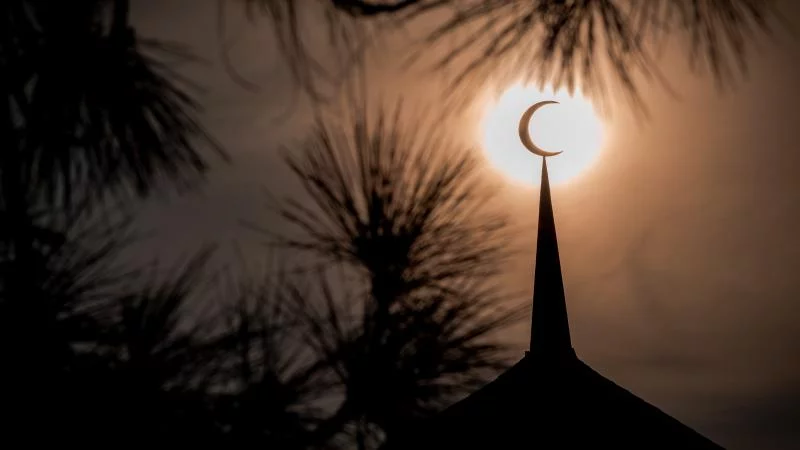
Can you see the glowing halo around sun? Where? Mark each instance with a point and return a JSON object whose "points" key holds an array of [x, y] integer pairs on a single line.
{"points": [[571, 126]]}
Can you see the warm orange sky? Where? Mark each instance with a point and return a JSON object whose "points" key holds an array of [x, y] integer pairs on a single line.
{"points": [[679, 247]]}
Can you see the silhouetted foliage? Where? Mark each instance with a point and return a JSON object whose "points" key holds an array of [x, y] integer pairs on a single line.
{"points": [[407, 212], [394, 370], [57, 292], [53, 309], [159, 356], [91, 106], [597, 45], [90, 110], [600, 45], [269, 382], [395, 200]]}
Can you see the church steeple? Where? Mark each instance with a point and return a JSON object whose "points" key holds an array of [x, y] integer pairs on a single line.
{"points": [[549, 322]]}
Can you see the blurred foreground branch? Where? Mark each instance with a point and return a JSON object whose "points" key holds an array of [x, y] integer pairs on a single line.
{"points": [[408, 213], [603, 47]]}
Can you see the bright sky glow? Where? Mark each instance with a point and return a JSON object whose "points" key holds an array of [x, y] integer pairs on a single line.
{"points": [[572, 126]]}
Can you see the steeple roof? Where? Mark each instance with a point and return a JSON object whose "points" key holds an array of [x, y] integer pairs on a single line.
{"points": [[550, 398]]}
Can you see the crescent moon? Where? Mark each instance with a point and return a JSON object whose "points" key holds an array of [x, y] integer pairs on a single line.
{"points": [[524, 132]]}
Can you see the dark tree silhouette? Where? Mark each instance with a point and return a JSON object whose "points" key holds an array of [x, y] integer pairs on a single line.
{"points": [[392, 371], [269, 382], [90, 111], [94, 112], [159, 356], [91, 106], [408, 213], [50, 303], [93, 352], [601, 46], [53, 310], [396, 200]]}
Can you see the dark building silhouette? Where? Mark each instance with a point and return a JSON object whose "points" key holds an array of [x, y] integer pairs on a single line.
{"points": [[552, 399]]}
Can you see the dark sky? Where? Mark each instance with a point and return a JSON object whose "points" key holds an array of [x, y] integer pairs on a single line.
{"points": [[679, 248]]}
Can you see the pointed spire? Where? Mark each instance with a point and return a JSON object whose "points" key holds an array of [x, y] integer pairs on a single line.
{"points": [[549, 322]]}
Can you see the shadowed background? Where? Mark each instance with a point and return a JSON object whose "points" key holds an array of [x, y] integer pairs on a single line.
{"points": [[678, 247]]}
